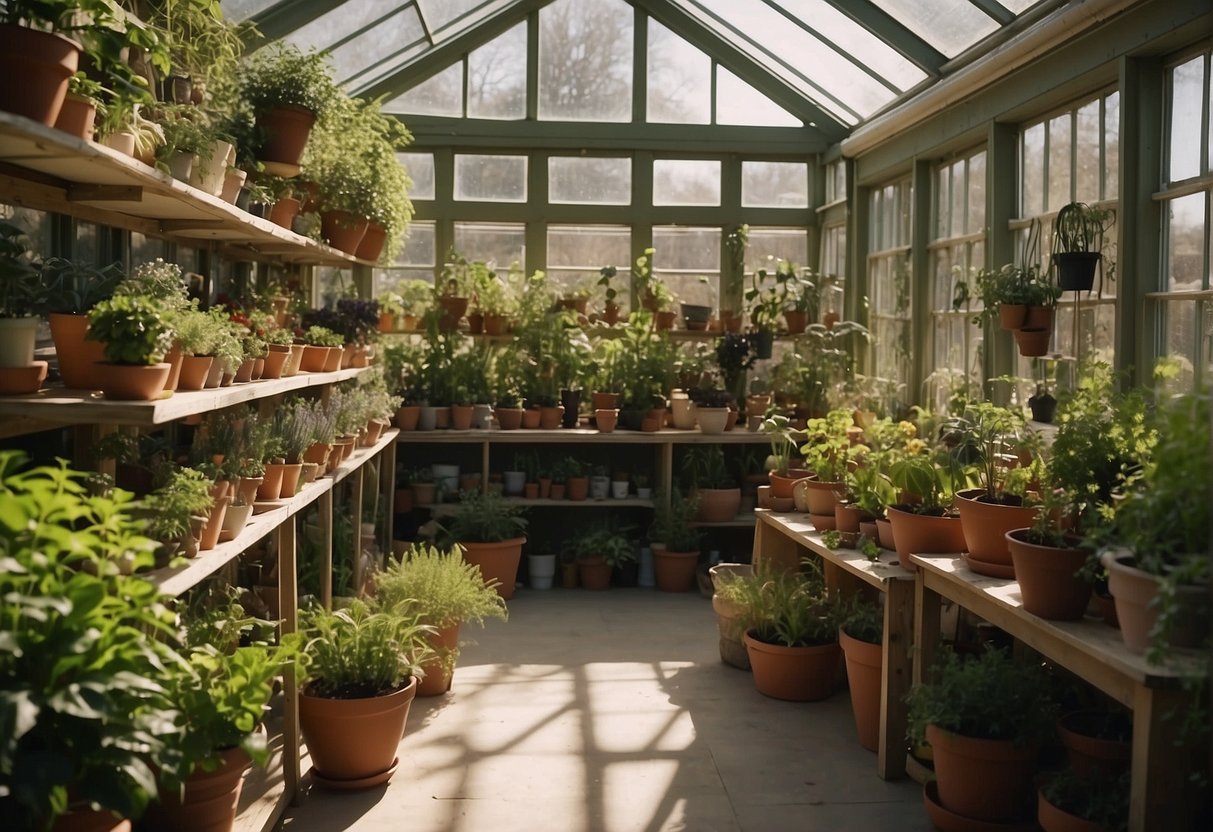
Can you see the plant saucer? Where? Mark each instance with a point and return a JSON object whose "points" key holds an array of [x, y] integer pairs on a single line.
{"points": [[948, 821], [990, 570], [359, 783]]}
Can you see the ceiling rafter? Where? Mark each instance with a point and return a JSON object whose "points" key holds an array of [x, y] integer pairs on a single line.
{"points": [[893, 32], [743, 65], [860, 65], [280, 19], [997, 12]]}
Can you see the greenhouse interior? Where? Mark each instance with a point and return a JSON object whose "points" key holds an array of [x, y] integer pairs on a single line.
{"points": [[424, 414]]}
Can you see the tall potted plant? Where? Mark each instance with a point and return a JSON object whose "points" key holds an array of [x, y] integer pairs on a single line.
{"points": [[784, 437], [827, 451], [73, 288], [675, 541], [599, 550], [491, 532], [715, 487], [925, 522], [861, 636], [1078, 231]]}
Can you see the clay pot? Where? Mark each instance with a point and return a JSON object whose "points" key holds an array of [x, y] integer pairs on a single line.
{"points": [[127, 382], [531, 491], [1038, 317], [290, 479], [985, 526], [84, 819], [332, 363], [244, 374], [823, 522], [508, 418], [988, 780], [796, 321], [275, 361], [674, 571], [374, 430], [372, 243], [271, 482], [314, 359], [194, 370], [1052, 819], [76, 354], [293, 361], [214, 375], [550, 417], [355, 739], [497, 562], [1047, 580], [37, 66], [286, 129], [864, 663], [665, 320], [719, 505], [214, 523], [1134, 590], [1033, 342], [711, 420], [20, 381], [461, 417], [922, 534], [476, 323], [797, 674], [606, 420], [210, 799], [1097, 741], [849, 518], [453, 310], [1011, 315], [284, 212], [407, 416], [496, 324], [577, 488], [343, 230], [604, 401], [247, 488], [781, 486], [437, 679], [594, 573], [821, 497], [884, 534], [77, 117]]}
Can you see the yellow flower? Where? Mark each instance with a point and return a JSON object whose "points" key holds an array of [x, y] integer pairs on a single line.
{"points": [[915, 447]]}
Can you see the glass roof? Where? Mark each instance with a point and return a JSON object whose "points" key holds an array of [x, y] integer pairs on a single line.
{"points": [[844, 59]]}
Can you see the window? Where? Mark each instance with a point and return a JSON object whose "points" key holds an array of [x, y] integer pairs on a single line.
{"points": [[500, 243], [774, 185], [421, 170], [415, 261], [679, 87], [739, 103], [490, 178], [577, 252], [836, 181], [686, 182], [1184, 304], [688, 262], [497, 77], [957, 252], [889, 280], [439, 95], [589, 180], [585, 60], [1072, 156], [833, 272]]}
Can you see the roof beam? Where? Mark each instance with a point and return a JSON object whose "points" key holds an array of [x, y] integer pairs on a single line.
{"points": [[997, 12], [449, 50], [743, 65], [280, 19], [893, 32]]}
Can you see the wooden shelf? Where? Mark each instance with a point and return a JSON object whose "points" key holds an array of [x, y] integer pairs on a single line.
{"points": [[797, 527], [59, 404], [609, 502], [361, 455], [595, 331], [583, 435], [741, 521], [47, 169]]}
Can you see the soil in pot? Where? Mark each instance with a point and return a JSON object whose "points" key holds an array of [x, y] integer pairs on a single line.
{"points": [[797, 674]]}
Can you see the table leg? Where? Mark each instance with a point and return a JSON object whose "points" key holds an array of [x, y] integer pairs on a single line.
{"points": [[1156, 792], [326, 552], [897, 659], [776, 550], [288, 601], [926, 626]]}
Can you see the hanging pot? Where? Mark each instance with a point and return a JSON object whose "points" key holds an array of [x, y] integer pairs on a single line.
{"points": [[1076, 269], [286, 129], [1011, 315], [1033, 342]]}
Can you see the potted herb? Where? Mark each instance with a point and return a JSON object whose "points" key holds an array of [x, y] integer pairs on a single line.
{"points": [[360, 670], [924, 522], [177, 512], [288, 90], [318, 342], [1078, 231], [1073, 800], [985, 718], [783, 449], [827, 452], [72, 289], [675, 541], [599, 550], [491, 532], [610, 309], [861, 637], [715, 487], [446, 592], [136, 337]]}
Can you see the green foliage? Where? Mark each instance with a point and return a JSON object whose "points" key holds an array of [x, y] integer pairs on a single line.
{"points": [[169, 508], [827, 448], [357, 653], [21, 286], [1012, 284], [1095, 796], [158, 281], [783, 442], [989, 696], [704, 467], [791, 608], [134, 329], [673, 515], [194, 332], [75, 287], [439, 586], [485, 518], [863, 619], [283, 75], [603, 541], [319, 336], [1079, 227], [983, 433]]}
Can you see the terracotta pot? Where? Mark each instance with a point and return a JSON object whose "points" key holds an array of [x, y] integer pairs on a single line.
{"points": [[286, 129], [594, 573], [271, 483], [496, 324], [245, 373], [578, 488], [508, 418], [476, 323], [293, 361], [531, 490], [461, 417], [355, 739], [247, 488], [823, 522], [284, 212], [1011, 315], [848, 518], [1134, 590], [1097, 741], [407, 416], [233, 181], [884, 534], [796, 321], [453, 310], [711, 420], [797, 674], [214, 375], [36, 65], [864, 663], [275, 361], [781, 486], [374, 430], [1038, 317], [372, 243], [210, 799], [985, 527], [343, 230], [332, 362], [126, 382], [76, 354], [1033, 342], [290, 479], [84, 819], [610, 314], [821, 497], [1047, 580], [314, 359], [77, 117], [423, 493], [549, 417], [20, 381], [1052, 819], [497, 561], [674, 571], [665, 320], [920, 534], [604, 401], [437, 679], [983, 779], [606, 420], [194, 370], [719, 505], [214, 523]]}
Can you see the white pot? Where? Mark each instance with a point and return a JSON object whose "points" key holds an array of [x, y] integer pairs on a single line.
{"points": [[712, 419], [211, 170], [619, 489], [17, 337], [182, 165], [645, 493], [236, 518], [428, 418], [515, 482], [122, 141], [447, 477], [600, 487], [681, 411], [542, 568], [482, 416]]}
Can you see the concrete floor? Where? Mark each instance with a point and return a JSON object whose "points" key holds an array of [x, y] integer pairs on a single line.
{"points": [[611, 712]]}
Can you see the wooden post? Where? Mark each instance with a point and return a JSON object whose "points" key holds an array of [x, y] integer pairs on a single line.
{"points": [[1156, 791], [387, 475], [899, 615], [926, 627], [326, 551], [288, 601]]}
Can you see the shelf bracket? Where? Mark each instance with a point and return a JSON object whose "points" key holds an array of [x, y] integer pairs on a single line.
{"points": [[105, 193]]}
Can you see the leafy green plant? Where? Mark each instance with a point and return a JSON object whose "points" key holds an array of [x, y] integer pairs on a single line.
{"points": [[133, 328], [1095, 796], [21, 286], [981, 435], [158, 281], [704, 467], [989, 696], [319, 336], [605, 542], [356, 653], [862, 619], [1080, 227], [783, 442], [73, 287], [673, 515], [284, 75], [485, 518], [440, 586], [827, 448], [793, 609], [187, 493]]}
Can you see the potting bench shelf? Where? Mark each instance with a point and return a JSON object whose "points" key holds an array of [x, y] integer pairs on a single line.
{"points": [[539, 502], [1091, 650], [49, 170], [523, 436], [59, 404], [782, 539], [595, 331]]}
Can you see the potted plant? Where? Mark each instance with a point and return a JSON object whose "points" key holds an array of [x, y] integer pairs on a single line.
{"points": [[491, 532], [610, 309], [136, 337], [714, 486], [827, 452], [1078, 231], [675, 541], [765, 302], [599, 550], [21, 298], [360, 669], [446, 592], [1071, 801], [177, 512], [783, 450], [318, 341], [288, 90], [72, 288], [792, 638], [984, 718], [861, 637]]}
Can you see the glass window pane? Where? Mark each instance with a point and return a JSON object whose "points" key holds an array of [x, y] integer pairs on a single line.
{"points": [[1059, 162], [439, 95], [1032, 166], [585, 60], [439, 13], [497, 77], [1186, 243], [951, 26], [36, 226], [775, 184], [415, 261], [497, 243], [790, 244], [680, 79], [238, 10], [421, 170], [1111, 138], [683, 256], [490, 178], [1087, 174], [1180, 329], [577, 252], [739, 103], [686, 182], [1187, 94], [976, 221], [959, 198], [386, 44], [589, 180], [941, 204]]}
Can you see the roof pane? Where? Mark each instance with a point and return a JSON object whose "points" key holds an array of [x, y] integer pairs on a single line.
{"points": [[362, 34], [497, 77], [951, 26], [739, 103], [585, 60], [1018, 6], [680, 79], [239, 10], [439, 14], [854, 39], [438, 95], [395, 39]]}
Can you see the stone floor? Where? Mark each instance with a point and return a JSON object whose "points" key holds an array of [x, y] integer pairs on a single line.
{"points": [[611, 712]]}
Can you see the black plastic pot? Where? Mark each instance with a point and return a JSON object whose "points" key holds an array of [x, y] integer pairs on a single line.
{"points": [[763, 342], [571, 399], [1043, 407], [631, 419], [1076, 269]]}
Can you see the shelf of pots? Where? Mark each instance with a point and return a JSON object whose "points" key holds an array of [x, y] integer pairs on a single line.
{"points": [[97, 183]]}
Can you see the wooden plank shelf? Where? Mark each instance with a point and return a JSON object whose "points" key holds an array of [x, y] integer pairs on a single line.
{"points": [[741, 521], [595, 331], [49, 170], [583, 435], [609, 502], [877, 573], [59, 404]]}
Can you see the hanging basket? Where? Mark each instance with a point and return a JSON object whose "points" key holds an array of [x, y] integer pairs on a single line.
{"points": [[1076, 270]]}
